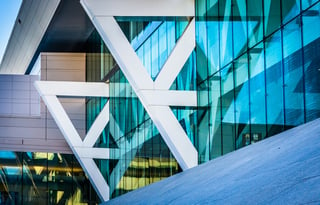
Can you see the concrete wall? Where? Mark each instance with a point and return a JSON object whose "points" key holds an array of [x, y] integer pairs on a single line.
{"points": [[25, 123]]}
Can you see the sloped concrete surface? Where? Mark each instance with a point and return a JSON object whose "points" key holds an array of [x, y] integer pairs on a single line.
{"points": [[283, 169]]}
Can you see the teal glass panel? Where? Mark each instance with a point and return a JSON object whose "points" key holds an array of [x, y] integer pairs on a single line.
{"points": [[155, 54], [274, 82], [241, 92], [215, 116], [202, 51], [203, 142], [226, 45], [255, 22], [239, 27], [257, 94], [227, 111], [290, 9], [272, 16], [293, 74], [311, 43], [307, 3], [213, 36]]}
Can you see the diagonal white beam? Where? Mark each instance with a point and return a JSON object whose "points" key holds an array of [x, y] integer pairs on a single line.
{"points": [[97, 127], [174, 136], [177, 58], [139, 79], [140, 7], [78, 147], [63, 121], [95, 177]]}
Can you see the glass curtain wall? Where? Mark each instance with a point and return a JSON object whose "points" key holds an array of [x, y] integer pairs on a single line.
{"points": [[255, 69], [141, 155], [43, 178]]}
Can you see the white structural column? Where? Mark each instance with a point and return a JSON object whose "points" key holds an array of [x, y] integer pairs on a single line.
{"points": [[83, 150], [155, 96]]}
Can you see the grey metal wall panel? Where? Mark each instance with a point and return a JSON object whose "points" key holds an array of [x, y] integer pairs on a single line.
{"points": [[25, 123]]}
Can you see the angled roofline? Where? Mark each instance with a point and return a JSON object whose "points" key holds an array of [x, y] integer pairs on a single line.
{"points": [[30, 26]]}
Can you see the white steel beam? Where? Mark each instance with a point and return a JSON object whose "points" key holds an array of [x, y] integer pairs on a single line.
{"points": [[77, 89], [140, 7], [83, 150], [177, 58], [130, 64]]}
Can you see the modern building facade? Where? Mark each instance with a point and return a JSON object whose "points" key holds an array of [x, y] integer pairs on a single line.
{"points": [[201, 79]]}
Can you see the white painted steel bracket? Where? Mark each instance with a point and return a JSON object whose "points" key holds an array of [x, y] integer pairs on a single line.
{"points": [[154, 95], [83, 150]]}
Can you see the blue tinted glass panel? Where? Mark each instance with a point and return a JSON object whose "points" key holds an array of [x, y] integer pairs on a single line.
{"points": [[293, 74], [257, 93], [227, 112], [311, 42], [290, 9], [274, 81], [239, 23], [241, 100]]}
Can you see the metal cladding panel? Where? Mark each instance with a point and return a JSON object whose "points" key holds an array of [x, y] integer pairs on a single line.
{"points": [[31, 24]]}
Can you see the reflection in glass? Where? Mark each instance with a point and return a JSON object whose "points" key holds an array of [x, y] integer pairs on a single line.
{"points": [[274, 82]]}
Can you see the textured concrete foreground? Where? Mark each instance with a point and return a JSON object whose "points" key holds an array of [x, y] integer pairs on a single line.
{"points": [[284, 169]]}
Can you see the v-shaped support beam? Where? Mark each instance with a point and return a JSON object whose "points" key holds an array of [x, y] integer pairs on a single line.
{"points": [[83, 150], [145, 88]]}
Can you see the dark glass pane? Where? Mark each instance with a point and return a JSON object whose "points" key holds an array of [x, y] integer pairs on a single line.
{"points": [[11, 178], [290, 9], [274, 81], [255, 21], [35, 178], [227, 102], [293, 74], [272, 17], [241, 100], [257, 94]]}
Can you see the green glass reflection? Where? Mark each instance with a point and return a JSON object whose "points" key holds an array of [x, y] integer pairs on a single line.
{"points": [[255, 22], [272, 16], [290, 9]]}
